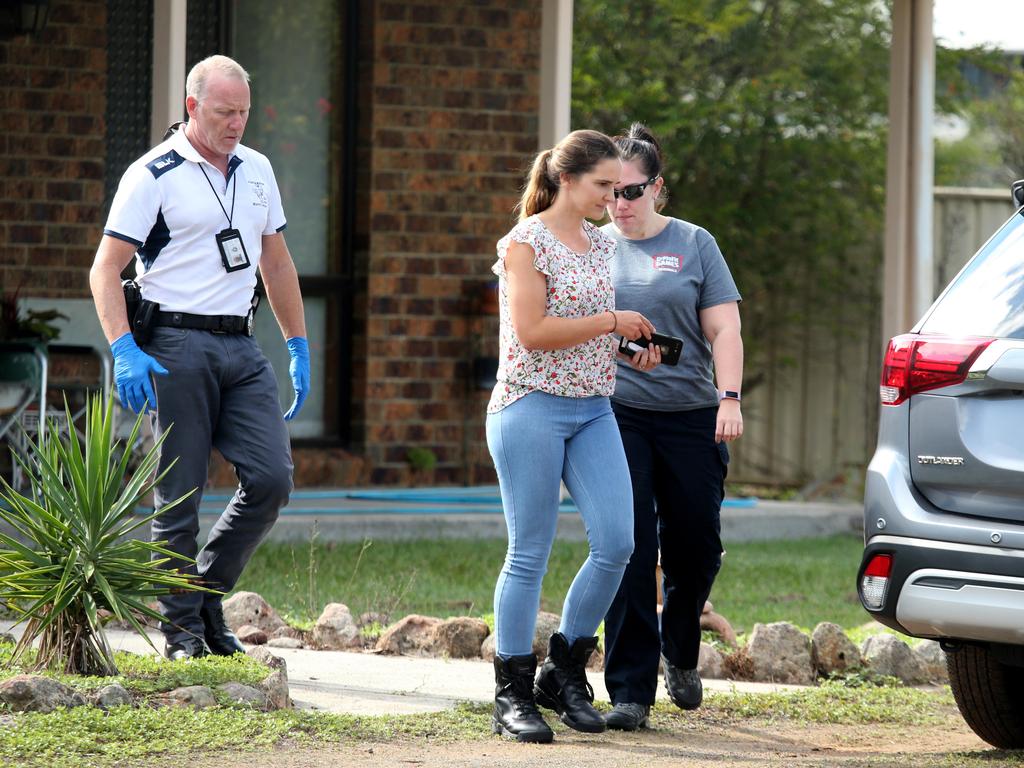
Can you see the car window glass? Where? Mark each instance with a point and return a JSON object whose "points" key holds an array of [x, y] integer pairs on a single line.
{"points": [[987, 297]]}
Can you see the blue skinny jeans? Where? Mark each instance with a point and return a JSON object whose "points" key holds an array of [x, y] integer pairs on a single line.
{"points": [[536, 442]]}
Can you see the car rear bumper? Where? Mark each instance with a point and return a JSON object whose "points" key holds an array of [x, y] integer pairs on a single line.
{"points": [[945, 590]]}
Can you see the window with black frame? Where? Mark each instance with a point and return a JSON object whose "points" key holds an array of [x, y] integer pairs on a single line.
{"points": [[292, 52]]}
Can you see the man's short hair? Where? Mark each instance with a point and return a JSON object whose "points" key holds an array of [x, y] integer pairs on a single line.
{"points": [[195, 84]]}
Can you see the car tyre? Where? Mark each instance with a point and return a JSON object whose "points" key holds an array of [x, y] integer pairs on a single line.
{"points": [[989, 694]]}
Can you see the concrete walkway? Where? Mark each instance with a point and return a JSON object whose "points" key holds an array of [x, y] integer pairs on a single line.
{"points": [[374, 684]]}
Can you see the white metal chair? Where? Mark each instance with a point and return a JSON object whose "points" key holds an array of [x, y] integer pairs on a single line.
{"points": [[76, 371], [23, 382]]}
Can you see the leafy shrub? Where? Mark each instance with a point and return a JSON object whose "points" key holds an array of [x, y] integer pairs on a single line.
{"points": [[71, 562]]}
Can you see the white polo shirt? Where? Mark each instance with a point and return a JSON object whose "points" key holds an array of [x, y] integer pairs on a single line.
{"points": [[166, 208]]}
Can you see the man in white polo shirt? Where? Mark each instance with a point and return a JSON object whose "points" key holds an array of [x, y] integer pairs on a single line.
{"points": [[200, 212]]}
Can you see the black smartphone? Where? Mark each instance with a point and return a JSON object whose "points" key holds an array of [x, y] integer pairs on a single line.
{"points": [[671, 347]]}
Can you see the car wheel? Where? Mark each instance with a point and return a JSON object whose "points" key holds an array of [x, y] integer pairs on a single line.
{"points": [[989, 694]]}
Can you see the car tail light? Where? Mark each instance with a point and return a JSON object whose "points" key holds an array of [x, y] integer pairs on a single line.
{"points": [[875, 580], [916, 363]]}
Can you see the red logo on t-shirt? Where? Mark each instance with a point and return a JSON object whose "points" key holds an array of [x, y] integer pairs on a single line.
{"points": [[667, 262]]}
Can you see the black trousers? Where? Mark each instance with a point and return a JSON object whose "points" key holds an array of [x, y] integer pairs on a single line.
{"points": [[678, 474]]}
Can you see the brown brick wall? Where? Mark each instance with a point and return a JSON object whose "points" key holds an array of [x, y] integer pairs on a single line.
{"points": [[455, 95], [448, 124], [52, 102]]}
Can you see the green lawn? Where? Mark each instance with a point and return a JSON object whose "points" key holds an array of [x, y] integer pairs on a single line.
{"points": [[803, 581], [146, 735]]}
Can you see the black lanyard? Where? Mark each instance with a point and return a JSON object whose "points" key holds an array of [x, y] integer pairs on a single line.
{"points": [[234, 188]]}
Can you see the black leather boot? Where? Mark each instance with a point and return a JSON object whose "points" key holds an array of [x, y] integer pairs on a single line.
{"points": [[219, 637], [562, 683], [515, 713]]}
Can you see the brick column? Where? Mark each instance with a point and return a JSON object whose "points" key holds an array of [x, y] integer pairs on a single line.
{"points": [[455, 98]]}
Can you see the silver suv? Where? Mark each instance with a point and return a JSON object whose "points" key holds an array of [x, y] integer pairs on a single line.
{"points": [[944, 496]]}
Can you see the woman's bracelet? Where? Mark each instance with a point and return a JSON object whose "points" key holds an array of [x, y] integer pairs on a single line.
{"points": [[615, 321]]}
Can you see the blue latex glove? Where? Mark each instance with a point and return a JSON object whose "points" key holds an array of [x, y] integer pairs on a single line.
{"points": [[298, 369], [132, 371]]}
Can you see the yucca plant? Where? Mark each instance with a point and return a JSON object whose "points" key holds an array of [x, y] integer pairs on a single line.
{"points": [[70, 564]]}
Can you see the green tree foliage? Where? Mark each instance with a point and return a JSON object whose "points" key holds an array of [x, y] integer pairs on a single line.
{"points": [[995, 140], [972, 161], [984, 87], [773, 120], [1007, 118]]}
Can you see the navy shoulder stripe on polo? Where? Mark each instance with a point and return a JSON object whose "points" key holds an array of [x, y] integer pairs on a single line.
{"points": [[119, 236], [160, 165]]}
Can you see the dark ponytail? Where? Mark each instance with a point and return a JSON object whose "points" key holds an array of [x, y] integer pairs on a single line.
{"points": [[540, 189], [574, 155], [640, 146]]}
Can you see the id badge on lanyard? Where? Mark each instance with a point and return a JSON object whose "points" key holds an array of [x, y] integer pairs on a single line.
{"points": [[232, 250], [229, 241]]}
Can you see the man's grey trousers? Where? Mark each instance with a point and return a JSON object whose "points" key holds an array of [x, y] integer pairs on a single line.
{"points": [[221, 392]]}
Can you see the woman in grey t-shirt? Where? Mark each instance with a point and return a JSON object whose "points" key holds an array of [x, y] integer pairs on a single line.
{"points": [[675, 422]]}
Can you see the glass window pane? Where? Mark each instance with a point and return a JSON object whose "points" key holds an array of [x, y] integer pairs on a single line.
{"points": [[310, 421], [288, 50], [987, 298]]}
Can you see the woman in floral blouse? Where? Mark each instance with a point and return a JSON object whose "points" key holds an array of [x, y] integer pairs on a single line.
{"points": [[549, 420]]}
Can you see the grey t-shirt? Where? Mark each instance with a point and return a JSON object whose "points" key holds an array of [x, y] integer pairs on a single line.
{"points": [[669, 278]]}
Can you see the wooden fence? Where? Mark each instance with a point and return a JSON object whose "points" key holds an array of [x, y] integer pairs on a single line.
{"points": [[812, 420]]}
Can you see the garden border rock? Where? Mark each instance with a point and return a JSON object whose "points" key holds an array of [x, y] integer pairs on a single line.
{"points": [[40, 693], [782, 652]]}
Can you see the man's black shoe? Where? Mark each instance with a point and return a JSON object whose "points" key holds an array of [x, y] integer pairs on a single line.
{"points": [[627, 716], [684, 686], [189, 648], [219, 637]]}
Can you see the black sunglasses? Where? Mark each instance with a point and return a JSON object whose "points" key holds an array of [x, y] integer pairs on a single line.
{"points": [[633, 191]]}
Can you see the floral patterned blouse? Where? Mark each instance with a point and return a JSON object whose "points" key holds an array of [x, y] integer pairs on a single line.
{"points": [[579, 285]]}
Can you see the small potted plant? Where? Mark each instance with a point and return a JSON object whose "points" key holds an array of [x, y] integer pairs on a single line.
{"points": [[20, 334], [34, 325], [422, 461]]}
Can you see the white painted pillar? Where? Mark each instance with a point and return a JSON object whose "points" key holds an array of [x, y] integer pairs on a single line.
{"points": [[907, 275], [555, 72], [169, 20]]}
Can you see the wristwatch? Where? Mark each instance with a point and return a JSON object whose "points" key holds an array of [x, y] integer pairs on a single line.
{"points": [[728, 394]]}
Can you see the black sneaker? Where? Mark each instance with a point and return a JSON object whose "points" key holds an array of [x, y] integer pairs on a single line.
{"points": [[219, 637], [628, 716], [189, 648], [684, 686]]}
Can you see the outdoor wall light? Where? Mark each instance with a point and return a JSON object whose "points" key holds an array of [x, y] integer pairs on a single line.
{"points": [[24, 17]]}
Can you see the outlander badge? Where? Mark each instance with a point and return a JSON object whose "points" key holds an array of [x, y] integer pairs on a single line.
{"points": [[948, 461]]}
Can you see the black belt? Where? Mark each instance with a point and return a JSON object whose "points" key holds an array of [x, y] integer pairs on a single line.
{"points": [[215, 323]]}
